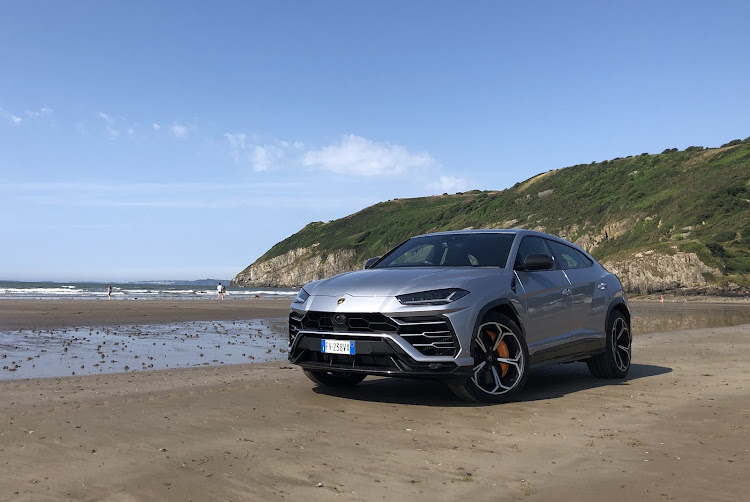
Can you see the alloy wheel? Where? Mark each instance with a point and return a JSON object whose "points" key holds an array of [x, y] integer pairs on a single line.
{"points": [[499, 359], [621, 341]]}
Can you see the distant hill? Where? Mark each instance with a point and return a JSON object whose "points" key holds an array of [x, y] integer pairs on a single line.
{"points": [[679, 219]]}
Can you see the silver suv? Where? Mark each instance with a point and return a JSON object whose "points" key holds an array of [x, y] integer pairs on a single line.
{"points": [[475, 308]]}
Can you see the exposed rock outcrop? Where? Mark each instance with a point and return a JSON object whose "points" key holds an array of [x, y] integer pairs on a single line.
{"points": [[296, 268], [649, 271]]}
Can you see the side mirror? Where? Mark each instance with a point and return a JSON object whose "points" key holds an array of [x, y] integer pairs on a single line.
{"points": [[369, 263], [538, 262]]}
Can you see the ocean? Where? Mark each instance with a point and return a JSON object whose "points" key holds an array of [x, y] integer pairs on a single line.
{"points": [[151, 290]]}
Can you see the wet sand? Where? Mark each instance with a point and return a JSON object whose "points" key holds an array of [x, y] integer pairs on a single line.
{"points": [[50, 314], [675, 429]]}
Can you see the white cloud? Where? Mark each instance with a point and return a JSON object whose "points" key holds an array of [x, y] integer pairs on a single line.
{"points": [[178, 130], [267, 157], [448, 184], [30, 114], [15, 119], [156, 126], [42, 112], [361, 157], [262, 157], [237, 144], [110, 128]]}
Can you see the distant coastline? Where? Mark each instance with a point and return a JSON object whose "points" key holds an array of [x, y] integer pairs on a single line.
{"points": [[142, 290]]}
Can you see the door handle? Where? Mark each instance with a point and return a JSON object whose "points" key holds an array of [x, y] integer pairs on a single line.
{"points": [[567, 291]]}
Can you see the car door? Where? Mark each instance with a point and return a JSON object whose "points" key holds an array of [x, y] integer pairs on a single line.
{"points": [[582, 276], [546, 296]]}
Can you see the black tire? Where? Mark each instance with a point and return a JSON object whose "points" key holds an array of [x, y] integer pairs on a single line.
{"points": [[497, 377], [614, 362], [334, 378]]}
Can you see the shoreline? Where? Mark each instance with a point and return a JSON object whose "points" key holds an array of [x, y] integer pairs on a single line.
{"points": [[19, 314]]}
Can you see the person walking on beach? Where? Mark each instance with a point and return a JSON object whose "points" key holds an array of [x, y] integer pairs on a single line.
{"points": [[220, 291], [109, 292]]}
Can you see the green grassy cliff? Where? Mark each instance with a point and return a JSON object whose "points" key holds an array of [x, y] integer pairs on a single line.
{"points": [[694, 201]]}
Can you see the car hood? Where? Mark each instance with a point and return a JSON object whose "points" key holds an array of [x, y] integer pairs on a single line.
{"points": [[396, 281]]}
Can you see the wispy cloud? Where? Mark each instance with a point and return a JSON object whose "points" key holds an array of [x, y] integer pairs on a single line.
{"points": [[40, 113], [237, 145], [112, 131], [178, 130], [10, 117], [192, 195], [94, 187], [448, 184], [29, 114], [359, 156], [267, 156]]}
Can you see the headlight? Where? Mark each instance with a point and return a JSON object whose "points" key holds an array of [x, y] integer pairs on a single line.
{"points": [[302, 296], [436, 297]]}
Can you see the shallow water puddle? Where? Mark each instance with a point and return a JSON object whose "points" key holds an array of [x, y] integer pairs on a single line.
{"points": [[113, 349]]}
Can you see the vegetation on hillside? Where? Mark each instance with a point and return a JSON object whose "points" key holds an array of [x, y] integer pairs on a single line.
{"points": [[695, 200]]}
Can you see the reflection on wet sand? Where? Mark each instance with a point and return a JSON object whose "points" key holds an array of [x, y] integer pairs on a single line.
{"points": [[133, 347], [651, 317]]}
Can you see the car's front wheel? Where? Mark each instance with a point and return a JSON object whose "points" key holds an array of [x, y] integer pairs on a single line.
{"points": [[501, 362], [334, 378], [615, 361]]}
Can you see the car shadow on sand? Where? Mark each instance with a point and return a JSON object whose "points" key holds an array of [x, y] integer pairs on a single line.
{"points": [[543, 383]]}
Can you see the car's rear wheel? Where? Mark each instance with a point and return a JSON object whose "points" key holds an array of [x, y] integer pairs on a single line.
{"points": [[614, 362], [501, 362], [334, 378]]}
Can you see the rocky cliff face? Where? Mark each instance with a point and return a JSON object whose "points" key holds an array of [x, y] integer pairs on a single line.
{"points": [[649, 271], [641, 273], [296, 268]]}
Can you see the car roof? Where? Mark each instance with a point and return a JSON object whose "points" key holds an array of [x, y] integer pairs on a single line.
{"points": [[519, 231]]}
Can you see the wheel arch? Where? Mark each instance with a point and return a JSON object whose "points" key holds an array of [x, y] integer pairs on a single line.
{"points": [[502, 306], [620, 306]]}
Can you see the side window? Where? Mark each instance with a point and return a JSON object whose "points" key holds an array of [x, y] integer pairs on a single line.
{"points": [[532, 245], [570, 258]]}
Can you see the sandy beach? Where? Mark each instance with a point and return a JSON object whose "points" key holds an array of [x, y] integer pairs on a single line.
{"points": [[47, 314], [675, 429]]}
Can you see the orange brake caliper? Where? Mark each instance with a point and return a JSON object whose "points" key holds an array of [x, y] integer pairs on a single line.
{"points": [[502, 351]]}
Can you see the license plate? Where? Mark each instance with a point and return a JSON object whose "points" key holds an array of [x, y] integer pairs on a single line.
{"points": [[337, 347]]}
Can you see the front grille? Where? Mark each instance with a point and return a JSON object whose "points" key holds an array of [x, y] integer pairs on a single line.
{"points": [[430, 335], [347, 322], [295, 323]]}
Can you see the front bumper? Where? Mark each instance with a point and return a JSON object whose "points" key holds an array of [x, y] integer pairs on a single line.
{"points": [[411, 347]]}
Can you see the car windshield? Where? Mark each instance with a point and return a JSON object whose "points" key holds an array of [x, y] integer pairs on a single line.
{"points": [[451, 250]]}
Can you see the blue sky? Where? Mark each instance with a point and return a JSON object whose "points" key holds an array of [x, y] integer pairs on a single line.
{"points": [[181, 140]]}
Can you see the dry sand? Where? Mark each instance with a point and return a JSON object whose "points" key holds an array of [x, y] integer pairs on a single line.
{"points": [[676, 429]]}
